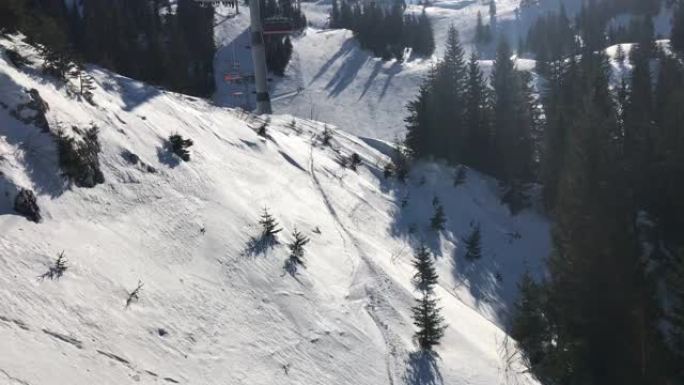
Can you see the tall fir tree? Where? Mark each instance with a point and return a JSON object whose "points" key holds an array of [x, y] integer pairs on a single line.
{"points": [[677, 34], [425, 277], [477, 117]]}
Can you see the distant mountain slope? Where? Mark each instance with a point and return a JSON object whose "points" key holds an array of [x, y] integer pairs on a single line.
{"points": [[212, 310]]}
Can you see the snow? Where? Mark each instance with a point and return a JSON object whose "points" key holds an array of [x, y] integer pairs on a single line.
{"points": [[330, 78], [209, 312]]}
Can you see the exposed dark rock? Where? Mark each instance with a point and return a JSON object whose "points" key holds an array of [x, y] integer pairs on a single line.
{"points": [[79, 160], [25, 204], [33, 111]]}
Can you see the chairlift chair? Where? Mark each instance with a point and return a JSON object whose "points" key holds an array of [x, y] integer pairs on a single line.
{"points": [[278, 25]]}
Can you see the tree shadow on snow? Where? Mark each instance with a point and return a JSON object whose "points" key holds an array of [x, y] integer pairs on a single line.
{"points": [[480, 277], [347, 46], [165, 156], [347, 72], [135, 93], [259, 246], [422, 369]]}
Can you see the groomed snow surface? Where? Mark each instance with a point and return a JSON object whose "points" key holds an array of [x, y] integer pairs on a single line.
{"points": [[210, 310]]}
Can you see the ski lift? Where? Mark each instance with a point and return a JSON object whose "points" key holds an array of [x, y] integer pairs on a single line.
{"points": [[278, 25]]}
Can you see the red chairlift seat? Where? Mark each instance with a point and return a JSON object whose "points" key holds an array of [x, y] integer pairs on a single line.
{"points": [[232, 77], [278, 25]]}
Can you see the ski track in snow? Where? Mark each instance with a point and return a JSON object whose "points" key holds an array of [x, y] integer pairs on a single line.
{"points": [[375, 291]]}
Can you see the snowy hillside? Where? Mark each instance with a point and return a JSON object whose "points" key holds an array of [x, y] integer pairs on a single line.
{"points": [[330, 78], [212, 310]]}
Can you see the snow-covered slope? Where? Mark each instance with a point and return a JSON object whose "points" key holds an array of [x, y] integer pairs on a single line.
{"points": [[330, 78], [211, 311]]}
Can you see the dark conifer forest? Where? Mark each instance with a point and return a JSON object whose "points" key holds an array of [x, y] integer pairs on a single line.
{"points": [[610, 160], [149, 40], [385, 31]]}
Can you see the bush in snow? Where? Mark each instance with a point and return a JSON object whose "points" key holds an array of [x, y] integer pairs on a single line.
{"points": [[263, 129], [296, 252], [399, 166], [57, 269], [25, 204], [82, 84], [79, 160], [354, 161], [57, 64], [134, 296], [179, 146], [326, 136]]}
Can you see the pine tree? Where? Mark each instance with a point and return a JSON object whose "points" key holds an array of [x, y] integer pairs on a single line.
{"points": [[620, 55], [529, 326], [473, 244], [677, 35], [512, 118], [57, 269], [418, 124], [269, 227], [480, 33], [477, 117], [492, 30], [429, 322], [425, 277], [297, 248], [426, 40], [179, 146], [438, 218], [448, 99], [676, 291], [335, 15], [460, 176]]}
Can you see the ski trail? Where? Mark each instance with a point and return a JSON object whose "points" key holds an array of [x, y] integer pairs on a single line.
{"points": [[376, 291]]}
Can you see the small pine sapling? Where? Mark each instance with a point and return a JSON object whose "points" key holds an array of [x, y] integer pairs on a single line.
{"points": [[473, 244], [354, 161], [57, 269], [296, 251], [179, 146], [269, 228], [134, 296], [326, 136], [263, 129], [438, 218], [460, 176]]}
